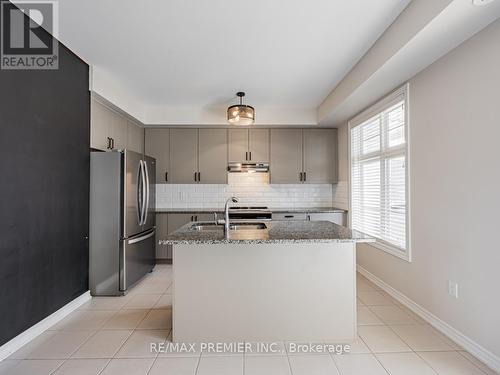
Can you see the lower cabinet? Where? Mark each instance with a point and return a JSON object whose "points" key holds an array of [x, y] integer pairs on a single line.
{"points": [[205, 216], [161, 232], [169, 222], [175, 221], [289, 216], [335, 217]]}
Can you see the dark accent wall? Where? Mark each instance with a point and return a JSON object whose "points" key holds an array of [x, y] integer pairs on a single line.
{"points": [[44, 191]]}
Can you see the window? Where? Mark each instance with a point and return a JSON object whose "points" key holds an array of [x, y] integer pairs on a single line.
{"points": [[379, 173]]}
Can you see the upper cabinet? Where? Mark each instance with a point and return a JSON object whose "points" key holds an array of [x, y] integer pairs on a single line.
{"points": [[157, 145], [184, 156], [110, 130], [198, 156], [212, 156], [258, 145], [248, 145], [320, 156], [286, 156], [117, 131], [238, 144], [99, 121], [303, 156], [191, 156], [135, 137]]}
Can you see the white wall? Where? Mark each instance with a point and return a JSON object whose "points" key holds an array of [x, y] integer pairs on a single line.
{"points": [[455, 191]]}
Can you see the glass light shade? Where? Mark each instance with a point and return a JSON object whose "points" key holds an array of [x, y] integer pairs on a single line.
{"points": [[241, 114]]}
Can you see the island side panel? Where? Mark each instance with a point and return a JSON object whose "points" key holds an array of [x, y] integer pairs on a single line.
{"points": [[264, 292]]}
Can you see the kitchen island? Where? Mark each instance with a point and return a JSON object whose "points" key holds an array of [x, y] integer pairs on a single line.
{"points": [[289, 281]]}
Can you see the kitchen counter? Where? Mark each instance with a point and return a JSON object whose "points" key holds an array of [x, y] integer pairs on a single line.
{"points": [[276, 210], [189, 210], [308, 209], [254, 287], [282, 232]]}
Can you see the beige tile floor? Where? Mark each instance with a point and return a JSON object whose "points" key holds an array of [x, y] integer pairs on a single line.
{"points": [[111, 336]]}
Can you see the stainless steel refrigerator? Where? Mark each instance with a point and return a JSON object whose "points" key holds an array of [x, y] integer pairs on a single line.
{"points": [[122, 220]]}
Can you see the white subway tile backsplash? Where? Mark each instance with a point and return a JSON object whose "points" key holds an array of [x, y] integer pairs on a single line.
{"points": [[340, 196], [251, 188]]}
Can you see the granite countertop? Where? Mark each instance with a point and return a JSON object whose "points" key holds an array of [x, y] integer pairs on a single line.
{"points": [[277, 210], [308, 209], [282, 232], [189, 210]]}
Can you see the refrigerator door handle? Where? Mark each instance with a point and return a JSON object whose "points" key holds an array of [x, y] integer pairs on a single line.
{"points": [[146, 206], [145, 193], [142, 238], [139, 193]]}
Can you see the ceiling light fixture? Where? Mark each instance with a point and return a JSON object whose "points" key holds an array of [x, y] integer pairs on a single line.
{"points": [[241, 114]]}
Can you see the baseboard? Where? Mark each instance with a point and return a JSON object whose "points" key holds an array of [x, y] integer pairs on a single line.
{"points": [[23, 338], [484, 355]]}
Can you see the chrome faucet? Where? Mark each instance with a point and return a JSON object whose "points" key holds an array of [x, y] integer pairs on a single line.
{"points": [[226, 214]]}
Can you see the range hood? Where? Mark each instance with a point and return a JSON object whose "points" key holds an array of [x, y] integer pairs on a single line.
{"points": [[234, 167]]}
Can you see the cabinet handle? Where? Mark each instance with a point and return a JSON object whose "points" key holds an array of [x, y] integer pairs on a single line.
{"points": [[305, 176], [166, 176], [195, 176], [246, 155], [112, 143], [109, 143], [288, 216], [250, 155], [199, 176], [300, 176]]}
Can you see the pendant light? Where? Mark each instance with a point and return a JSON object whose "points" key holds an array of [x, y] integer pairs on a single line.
{"points": [[241, 114]]}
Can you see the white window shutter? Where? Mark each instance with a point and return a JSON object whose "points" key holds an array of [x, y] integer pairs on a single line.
{"points": [[378, 154]]}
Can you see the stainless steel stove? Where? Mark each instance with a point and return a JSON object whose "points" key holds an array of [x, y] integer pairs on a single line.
{"points": [[250, 213]]}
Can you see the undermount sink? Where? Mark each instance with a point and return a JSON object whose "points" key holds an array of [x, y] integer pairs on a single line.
{"points": [[206, 226], [247, 226], [232, 226]]}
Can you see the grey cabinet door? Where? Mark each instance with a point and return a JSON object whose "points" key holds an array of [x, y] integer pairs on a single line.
{"points": [[99, 122], [117, 130], [157, 145], [161, 233], [320, 156], [238, 144], [286, 156], [205, 216], [135, 137], [212, 156], [183, 155], [175, 221], [334, 217], [258, 145]]}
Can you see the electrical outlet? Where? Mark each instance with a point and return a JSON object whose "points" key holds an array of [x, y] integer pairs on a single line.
{"points": [[452, 288]]}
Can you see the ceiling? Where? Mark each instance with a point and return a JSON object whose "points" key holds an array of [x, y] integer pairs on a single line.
{"points": [[178, 55]]}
